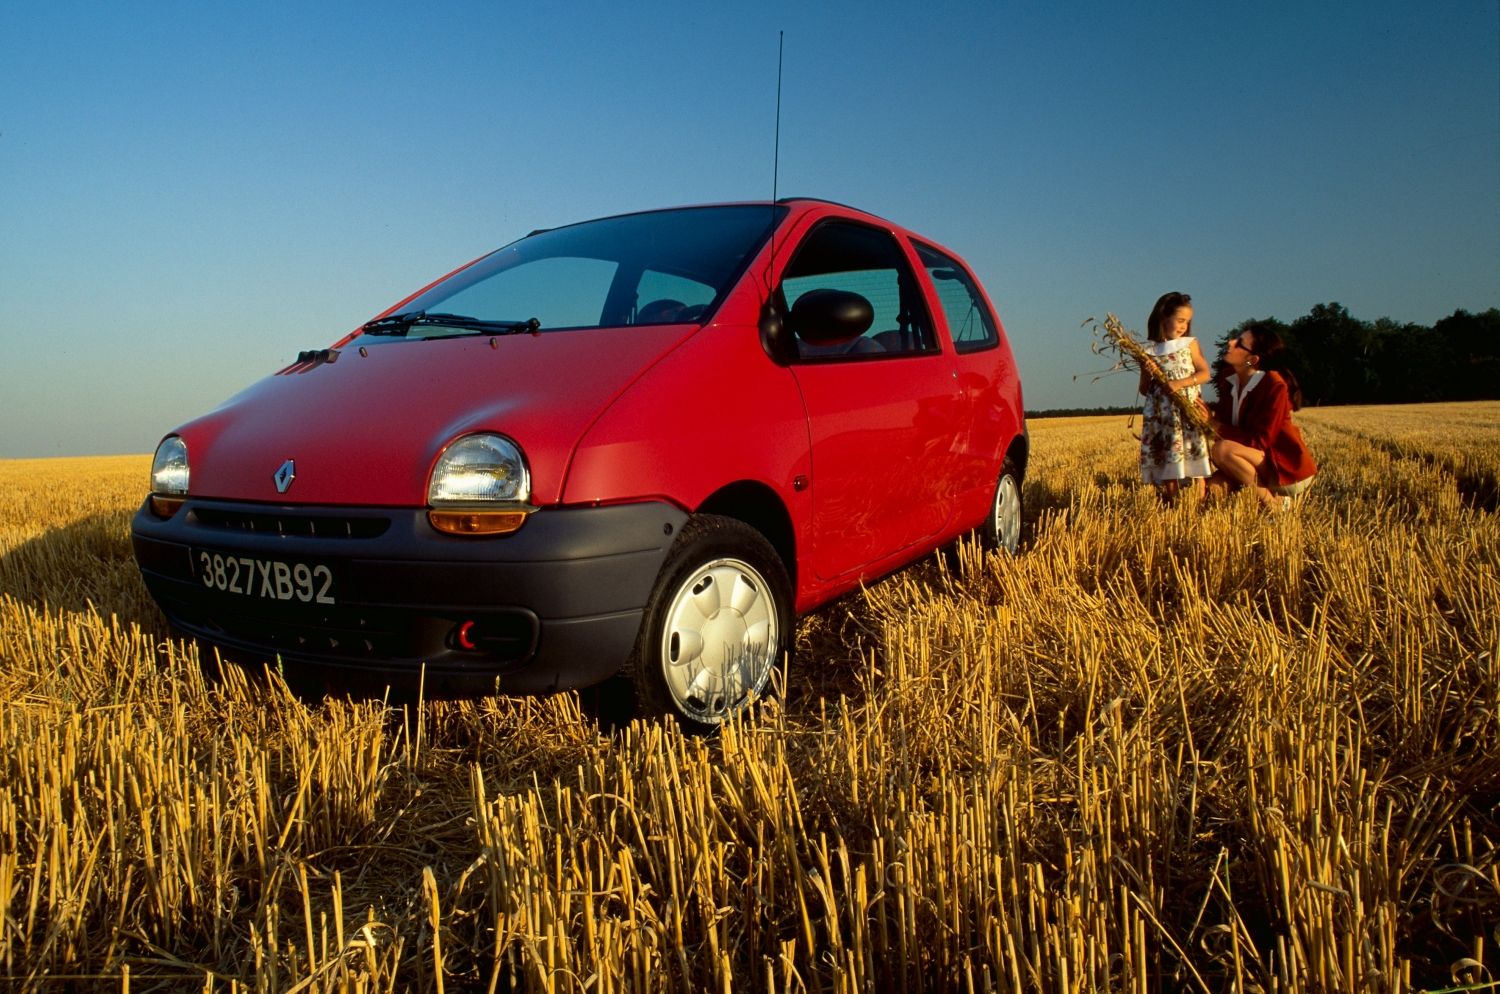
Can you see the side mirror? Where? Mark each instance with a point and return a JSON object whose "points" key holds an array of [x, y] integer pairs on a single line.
{"points": [[773, 334], [830, 317]]}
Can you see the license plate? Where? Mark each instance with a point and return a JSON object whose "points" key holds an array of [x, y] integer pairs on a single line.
{"points": [[268, 579]]}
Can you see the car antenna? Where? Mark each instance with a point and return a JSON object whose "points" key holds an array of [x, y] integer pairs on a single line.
{"points": [[776, 156]]}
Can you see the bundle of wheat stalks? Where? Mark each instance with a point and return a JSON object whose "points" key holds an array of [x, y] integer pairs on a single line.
{"points": [[1132, 354]]}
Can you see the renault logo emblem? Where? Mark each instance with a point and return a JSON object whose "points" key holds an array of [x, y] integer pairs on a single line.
{"points": [[285, 475]]}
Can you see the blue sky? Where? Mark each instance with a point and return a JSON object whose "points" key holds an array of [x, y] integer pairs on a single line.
{"points": [[191, 193]]}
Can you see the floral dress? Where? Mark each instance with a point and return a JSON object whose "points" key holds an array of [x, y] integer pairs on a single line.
{"points": [[1171, 449]]}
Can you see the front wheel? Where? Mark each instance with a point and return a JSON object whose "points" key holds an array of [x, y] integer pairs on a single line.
{"points": [[1002, 528], [716, 626]]}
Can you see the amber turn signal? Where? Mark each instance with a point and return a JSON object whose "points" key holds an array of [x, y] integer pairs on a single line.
{"points": [[477, 522], [165, 507]]}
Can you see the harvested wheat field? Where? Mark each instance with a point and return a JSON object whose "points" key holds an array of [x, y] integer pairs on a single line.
{"points": [[1163, 749]]}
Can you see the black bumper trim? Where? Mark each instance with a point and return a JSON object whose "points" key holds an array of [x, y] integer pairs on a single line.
{"points": [[559, 602]]}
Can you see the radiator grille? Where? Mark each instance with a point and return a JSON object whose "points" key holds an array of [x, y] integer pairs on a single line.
{"points": [[277, 523]]}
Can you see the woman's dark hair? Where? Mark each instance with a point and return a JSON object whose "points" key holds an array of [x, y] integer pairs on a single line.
{"points": [[1274, 356], [1166, 306]]}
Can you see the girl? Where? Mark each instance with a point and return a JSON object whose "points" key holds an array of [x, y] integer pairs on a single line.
{"points": [[1171, 449]]}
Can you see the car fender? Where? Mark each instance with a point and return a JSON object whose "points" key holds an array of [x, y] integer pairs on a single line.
{"points": [[714, 412]]}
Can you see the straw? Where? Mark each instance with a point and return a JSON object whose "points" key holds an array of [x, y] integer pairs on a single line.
{"points": [[1134, 355]]}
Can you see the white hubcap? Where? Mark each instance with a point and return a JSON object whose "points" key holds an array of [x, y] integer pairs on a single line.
{"points": [[1008, 514], [718, 645]]}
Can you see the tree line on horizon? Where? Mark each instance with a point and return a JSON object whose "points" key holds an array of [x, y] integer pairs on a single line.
{"points": [[1340, 359]]}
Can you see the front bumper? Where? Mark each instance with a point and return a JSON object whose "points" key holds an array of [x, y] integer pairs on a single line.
{"points": [[553, 606]]}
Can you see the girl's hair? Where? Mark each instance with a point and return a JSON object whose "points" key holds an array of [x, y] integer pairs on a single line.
{"points": [[1275, 357], [1166, 305]]}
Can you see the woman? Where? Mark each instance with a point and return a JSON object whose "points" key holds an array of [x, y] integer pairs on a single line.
{"points": [[1259, 446]]}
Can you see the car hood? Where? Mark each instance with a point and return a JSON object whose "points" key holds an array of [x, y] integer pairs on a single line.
{"points": [[366, 427]]}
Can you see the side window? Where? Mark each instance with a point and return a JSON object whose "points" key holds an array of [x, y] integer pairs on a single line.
{"points": [[969, 320], [853, 258], [662, 298]]}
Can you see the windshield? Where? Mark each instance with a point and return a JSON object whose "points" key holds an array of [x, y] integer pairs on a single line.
{"points": [[661, 267]]}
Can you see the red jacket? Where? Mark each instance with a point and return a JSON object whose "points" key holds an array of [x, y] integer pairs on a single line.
{"points": [[1266, 424]]}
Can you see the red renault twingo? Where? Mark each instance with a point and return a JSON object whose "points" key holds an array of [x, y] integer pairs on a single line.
{"points": [[640, 444]]}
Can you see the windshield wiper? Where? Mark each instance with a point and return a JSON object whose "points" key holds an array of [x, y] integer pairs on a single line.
{"points": [[400, 324], [391, 324]]}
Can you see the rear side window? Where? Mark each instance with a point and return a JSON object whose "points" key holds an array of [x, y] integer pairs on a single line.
{"points": [[969, 320], [841, 255]]}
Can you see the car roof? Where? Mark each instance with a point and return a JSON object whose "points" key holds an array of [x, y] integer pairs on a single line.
{"points": [[655, 210], [782, 201]]}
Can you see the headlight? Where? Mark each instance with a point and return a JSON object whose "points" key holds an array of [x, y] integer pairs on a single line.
{"points": [[169, 470], [480, 486], [169, 476], [480, 468]]}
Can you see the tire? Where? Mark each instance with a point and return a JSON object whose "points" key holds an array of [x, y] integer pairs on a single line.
{"points": [[1001, 531], [716, 627]]}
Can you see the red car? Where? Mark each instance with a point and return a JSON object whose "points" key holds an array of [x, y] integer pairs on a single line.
{"points": [[641, 444]]}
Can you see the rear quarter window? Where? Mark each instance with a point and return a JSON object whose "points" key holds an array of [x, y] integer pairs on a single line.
{"points": [[969, 320]]}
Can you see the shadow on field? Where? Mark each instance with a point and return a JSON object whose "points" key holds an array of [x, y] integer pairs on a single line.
{"points": [[85, 565]]}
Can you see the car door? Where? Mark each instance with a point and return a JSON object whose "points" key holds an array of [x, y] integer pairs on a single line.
{"points": [[885, 412], [986, 375]]}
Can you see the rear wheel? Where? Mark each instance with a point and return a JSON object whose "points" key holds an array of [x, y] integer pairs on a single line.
{"points": [[1002, 528], [716, 626]]}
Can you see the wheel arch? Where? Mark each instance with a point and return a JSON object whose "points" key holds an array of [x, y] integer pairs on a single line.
{"points": [[1019, 451], [758, 506]]}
